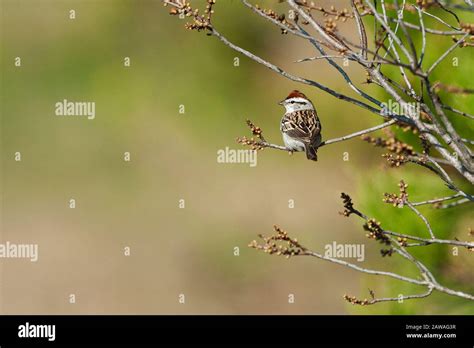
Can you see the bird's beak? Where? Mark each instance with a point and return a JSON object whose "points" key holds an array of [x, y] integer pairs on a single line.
{"points": [[281, 103]]}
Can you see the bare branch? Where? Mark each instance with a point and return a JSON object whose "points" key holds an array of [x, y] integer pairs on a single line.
{"points": [[331, 39], [445, 54], [462, 113], [455, 204], [296, 78], [436, 200], [390, 32], [357, 134], [428, 30], [361, 30], [320, 57], [404, 29], [262, 143], [423, 35], [355, 301], [426, 241], [422, 217]]}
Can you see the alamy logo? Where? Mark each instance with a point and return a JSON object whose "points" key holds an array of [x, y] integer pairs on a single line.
{"points": [[407, 109], [228, 155], [354, 251], [37, 331], [69, 108], [24, 251]]}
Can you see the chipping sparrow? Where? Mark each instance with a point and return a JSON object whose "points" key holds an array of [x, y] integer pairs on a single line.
{"points": [[300, 125]]}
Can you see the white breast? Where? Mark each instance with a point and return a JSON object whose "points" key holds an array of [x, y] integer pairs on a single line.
{"points": [[292, 144]]}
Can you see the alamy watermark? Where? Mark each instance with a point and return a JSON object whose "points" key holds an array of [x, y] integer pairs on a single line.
{"points": [[407, 109], [22, 251], [69, 108], [28, 330], [352, 251], [228, 155]]}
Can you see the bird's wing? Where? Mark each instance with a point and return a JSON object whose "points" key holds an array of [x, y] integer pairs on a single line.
{"points": [[303, 125]]}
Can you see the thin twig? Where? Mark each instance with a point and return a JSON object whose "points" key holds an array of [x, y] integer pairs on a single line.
{"points": [[422, 217], [444, 55], [411, 91], [391, 33], [365, 270], [265, 144], [455, 204], [299, 79], [357, 134], [319, 57], [436, 200], [462, 113], [402, 298], [423, 35], [405, 31], [361, 30], [428, 30], [429, 241], [441, 21]]}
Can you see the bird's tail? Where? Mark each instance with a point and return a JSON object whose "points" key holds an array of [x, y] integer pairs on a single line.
{"points": [[311, 152]]}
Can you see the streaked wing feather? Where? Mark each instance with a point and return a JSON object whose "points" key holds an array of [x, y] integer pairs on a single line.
{"points": [[303, 125]]}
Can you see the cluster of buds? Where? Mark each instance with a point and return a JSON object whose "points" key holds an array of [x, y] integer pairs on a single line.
{"points": [[406, 127], [183, 8], [392, 144], [343, 14], [375, 232], [397, 200], [403, 241], [398, 160], [280, 18], [348, 205], [465, 43], [399, 152], [272, 245], [467, 28], [353, 300], [395, 160], [253, 143], [257, 131], [330, 25]]}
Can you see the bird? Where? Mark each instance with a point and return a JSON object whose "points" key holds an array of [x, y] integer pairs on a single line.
{"points": [[300, 126]]}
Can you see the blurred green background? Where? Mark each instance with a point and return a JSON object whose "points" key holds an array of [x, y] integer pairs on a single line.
{"points": [[173, 156]]}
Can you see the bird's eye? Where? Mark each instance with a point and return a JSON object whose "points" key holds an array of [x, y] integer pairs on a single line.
{"points": [[292, 102]]}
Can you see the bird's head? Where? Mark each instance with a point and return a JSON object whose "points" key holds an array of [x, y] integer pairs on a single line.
{"points": [[296, 101]]}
